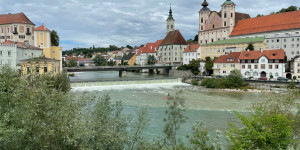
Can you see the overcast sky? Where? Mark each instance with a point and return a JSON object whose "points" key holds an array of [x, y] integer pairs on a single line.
{"points": [[83, 23]]}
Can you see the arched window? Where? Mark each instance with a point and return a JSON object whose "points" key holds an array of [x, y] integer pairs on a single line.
{"points": [[201, 19], [225, 14], [213, 26], [247, 73], [255, 74], [231, 15], [276, 74]]}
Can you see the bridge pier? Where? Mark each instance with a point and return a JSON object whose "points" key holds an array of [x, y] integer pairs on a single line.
{"points": [[122, 73], [165, 71]]}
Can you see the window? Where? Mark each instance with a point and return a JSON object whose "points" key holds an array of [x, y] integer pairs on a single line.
{"points": [[270, 66], [22, 36], [277, 61], [0, 61], [225, 23], [9, 53], [249, 66], [255, 61], [243, 66], [232, 65], [262, 66], [292, 52], [272, 41], [218, 66], [231, 15], [224, 71], [45, 69], [284, 46], [15, 29], [201, 19], [225, 15], [213, 26], [255, 73], [284, 40], [28, 30], [8, 30], [293, 45], [0, 53], [293, 39], [263, 60], [276, 74], [247, 73], [201, 27], [277, 40], [224, 65], [9, 62], [276, 66], [267, 41], [2, 31], [255, 66]]}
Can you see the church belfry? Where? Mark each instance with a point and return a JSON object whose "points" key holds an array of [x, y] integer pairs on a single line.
{"points": [[170, 22]]}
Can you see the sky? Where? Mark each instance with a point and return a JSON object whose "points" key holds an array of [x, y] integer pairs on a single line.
{"points": [[84, 23]]}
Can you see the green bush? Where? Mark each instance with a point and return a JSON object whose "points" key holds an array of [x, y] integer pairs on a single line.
{"points": [[194, 82]]}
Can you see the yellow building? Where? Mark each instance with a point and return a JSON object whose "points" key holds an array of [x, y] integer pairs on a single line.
{"points": [[222, 47], [40, 65], [42, 39], [224, 64], [130, 58]]}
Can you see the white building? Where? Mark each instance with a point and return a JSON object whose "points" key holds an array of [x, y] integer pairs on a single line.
{"points": [[265, 63], [190, 53], [281, 31]]}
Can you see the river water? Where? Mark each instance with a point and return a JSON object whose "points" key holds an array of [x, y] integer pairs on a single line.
{"points": [[214, 108]]}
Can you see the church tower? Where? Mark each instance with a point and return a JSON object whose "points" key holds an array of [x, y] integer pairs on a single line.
{"points": [[228, 14], [170, 22], [203, 16]]}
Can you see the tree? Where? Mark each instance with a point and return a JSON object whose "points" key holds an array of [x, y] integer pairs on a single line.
{"points": [[190, 41], [128, 46], [54, 38], [200, 139], [235, 79], [151, 60], [72, 62], [250, 47], [291, 8], [175, 117], [99, 60], [209, 65], [196, 38], [259, 15]]}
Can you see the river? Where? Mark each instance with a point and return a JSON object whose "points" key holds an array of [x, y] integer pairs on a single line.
{"points": [[215, 108]]}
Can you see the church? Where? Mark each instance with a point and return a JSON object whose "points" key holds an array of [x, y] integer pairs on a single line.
{"points": [[215, 26]]}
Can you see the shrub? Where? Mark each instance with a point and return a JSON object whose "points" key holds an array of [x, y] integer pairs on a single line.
{"points": [[194, 82]]}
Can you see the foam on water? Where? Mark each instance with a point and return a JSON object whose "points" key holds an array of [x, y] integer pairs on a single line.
{"points": [[131, 86]]}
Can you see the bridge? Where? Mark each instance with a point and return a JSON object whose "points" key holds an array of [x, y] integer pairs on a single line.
{"points": [[122, 69]]}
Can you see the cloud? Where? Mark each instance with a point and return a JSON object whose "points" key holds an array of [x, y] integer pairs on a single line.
{"points": [[83, 23]]}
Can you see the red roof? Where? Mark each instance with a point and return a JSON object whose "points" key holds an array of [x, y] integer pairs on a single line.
{"points": [[15, 18], [191, 48], [41, 28], [281, 21], [174, 37], [232, 57], [140, 51], [270, 54], [21, 45], [151, 47]]}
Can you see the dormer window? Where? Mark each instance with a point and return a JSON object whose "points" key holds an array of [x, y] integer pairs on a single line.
{"points": [[274, 54], [247, 55]]}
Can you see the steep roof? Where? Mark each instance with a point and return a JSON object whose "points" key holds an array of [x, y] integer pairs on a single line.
{"points": [[41, 28], [21, 45], [270, 54], [15, 18], [240, 16], [232, 57], [281, 21], [139, 51], [191, 48], [237, 41], [174, 38]]}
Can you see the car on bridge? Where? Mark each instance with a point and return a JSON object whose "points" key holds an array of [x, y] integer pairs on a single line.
{"points": [[262, 79], [282, 79]]}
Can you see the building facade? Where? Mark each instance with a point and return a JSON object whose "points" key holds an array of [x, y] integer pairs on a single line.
{"points": [[190, 53], [215, 26], [265, 63], [43, 40], [223, 47], [281, 31], [227, 63], [16, 27], [40, 65], [170, 51], [295, 67]]}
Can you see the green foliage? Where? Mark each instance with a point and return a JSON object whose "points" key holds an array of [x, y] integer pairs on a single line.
{"points": [[54, 38], [111, 63], [259, 15], [60, 81], [72, 62], [151, 60], [271, 77], [292, 85], [190, 41], [233, 80], [199, 139], [294, 77], [209, 63], [174, 118], [84, 51], [194, 82], [99, 60], [196, 38], [291, 8], [261, 130], [250, 47], [193, 66], [128, 46]]}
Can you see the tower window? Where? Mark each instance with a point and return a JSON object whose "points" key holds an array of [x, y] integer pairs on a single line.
{"points": [[231, 15], [201, 20], [225, 23], [201, 27], [225, 15], [213, 26], [172, 26]]}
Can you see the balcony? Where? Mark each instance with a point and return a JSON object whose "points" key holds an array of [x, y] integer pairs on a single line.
{"points": [[15, 32], [28, 33]]}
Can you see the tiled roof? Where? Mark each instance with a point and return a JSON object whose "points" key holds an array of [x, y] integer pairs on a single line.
{"points": [[39, 59], [174, 37], [21, 45], [237, 41], [240, 16], [41, 28], [191, 48], [270, 54], [232, 57], [281, 21], [139, 51], [15, 18]]}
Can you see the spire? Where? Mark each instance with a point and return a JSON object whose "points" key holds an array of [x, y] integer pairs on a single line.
{"points": [[170, 14], [204, 4]]}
